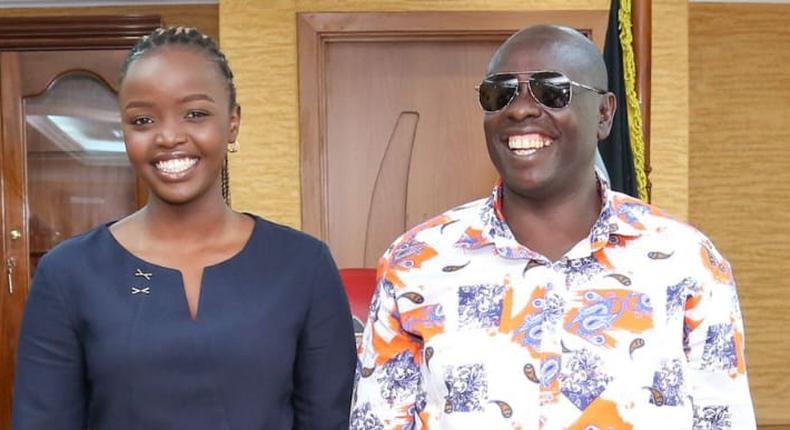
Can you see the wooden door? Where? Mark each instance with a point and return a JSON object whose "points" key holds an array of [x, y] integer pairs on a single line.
{"points": [[391, 131], [64, 167]]}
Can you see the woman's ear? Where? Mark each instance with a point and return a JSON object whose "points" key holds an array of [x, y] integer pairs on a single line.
{"points": [[234, 123]]}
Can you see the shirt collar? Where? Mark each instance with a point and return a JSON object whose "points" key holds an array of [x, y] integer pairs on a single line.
{"points": [[619, 216]]}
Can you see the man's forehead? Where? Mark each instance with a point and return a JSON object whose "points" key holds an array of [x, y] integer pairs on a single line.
{"points": [[554, 48], [532, 55]]}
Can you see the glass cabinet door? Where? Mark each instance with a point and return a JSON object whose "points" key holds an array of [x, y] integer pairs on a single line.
{"points": [[78, 175]]}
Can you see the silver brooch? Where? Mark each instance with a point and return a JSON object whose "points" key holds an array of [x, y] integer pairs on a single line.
{"points": [[145, 290], [140, 274]]}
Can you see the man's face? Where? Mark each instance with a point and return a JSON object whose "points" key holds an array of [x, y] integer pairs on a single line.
{"points": [[539, 151]]}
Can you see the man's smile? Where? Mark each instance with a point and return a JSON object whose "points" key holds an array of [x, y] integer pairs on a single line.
{"points": [[528, 144]]}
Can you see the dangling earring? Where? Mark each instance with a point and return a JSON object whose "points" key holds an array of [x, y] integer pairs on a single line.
{"points": [[234, 146]]}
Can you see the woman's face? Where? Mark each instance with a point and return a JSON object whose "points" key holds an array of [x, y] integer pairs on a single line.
{"points": [[177, 123]]}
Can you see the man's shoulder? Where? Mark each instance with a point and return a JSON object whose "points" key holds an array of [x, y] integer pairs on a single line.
{"points": [[655, 223], [461, 215], [671, 244], [438, 232]]}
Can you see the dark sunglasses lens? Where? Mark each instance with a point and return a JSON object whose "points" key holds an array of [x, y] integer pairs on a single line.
{"points": [[551, 89], [495, 95]]}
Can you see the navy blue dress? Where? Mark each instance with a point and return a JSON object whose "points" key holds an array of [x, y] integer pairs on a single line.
{"points": [[108, 343]]}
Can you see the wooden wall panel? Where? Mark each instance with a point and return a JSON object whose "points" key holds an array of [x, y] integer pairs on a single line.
{"points": [[739, 174], [260, 40], [204, 17], [669, 107]]}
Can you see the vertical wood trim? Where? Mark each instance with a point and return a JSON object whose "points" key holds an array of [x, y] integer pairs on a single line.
{"points": [[312, 159], [5, 305], [15, 168], [2, 182], [641, 16], [14, 216]]}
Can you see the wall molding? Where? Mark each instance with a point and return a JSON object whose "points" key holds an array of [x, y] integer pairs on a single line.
{"points": [[9, 4]]}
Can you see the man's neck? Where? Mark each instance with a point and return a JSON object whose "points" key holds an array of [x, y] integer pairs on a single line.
{"points": [[552, 226]]}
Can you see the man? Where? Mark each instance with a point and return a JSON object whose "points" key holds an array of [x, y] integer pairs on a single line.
{"points": [[555, 303]]}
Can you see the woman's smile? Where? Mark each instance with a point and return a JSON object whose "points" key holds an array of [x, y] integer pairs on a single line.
{"points": [[176, 168]]}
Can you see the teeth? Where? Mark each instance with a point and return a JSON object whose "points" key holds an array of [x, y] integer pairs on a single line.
{"points": [[529, 142], [176, 165], [524, 151]]}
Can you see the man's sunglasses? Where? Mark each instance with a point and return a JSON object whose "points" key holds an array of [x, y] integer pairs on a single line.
{"points": [[549, 89]]}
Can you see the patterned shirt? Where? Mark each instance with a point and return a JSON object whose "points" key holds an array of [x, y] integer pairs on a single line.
{"points": [[636, 327]]}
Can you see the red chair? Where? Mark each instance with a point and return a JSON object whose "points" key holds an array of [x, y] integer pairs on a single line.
{"points": [[359, 284]]}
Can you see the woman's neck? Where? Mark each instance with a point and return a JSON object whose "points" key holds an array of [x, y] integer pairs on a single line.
{"points": [[197, 219]]}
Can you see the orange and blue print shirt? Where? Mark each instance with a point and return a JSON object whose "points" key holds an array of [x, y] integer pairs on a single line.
{"points": [[638, 326]]}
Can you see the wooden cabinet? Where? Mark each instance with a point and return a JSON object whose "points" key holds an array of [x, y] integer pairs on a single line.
{"points": [[64, 167]]}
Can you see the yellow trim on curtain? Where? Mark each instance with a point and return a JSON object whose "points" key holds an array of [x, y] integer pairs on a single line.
{"points": [[632, 100]]}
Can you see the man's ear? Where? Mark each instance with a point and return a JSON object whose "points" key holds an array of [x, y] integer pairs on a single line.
{"points": [[606, 114]]}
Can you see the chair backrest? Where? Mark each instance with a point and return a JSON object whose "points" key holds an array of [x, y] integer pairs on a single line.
{"points": [[359, 284]]}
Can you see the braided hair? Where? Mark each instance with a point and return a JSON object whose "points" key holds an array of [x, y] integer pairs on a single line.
{"points": [[188, 37]]}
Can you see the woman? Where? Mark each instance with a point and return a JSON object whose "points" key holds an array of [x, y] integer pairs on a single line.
{"points": [[185, 314]]}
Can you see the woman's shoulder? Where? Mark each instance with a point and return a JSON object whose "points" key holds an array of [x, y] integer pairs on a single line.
{"points": [[285, 237], [89, 253], [86, 245], [280, 247]]}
